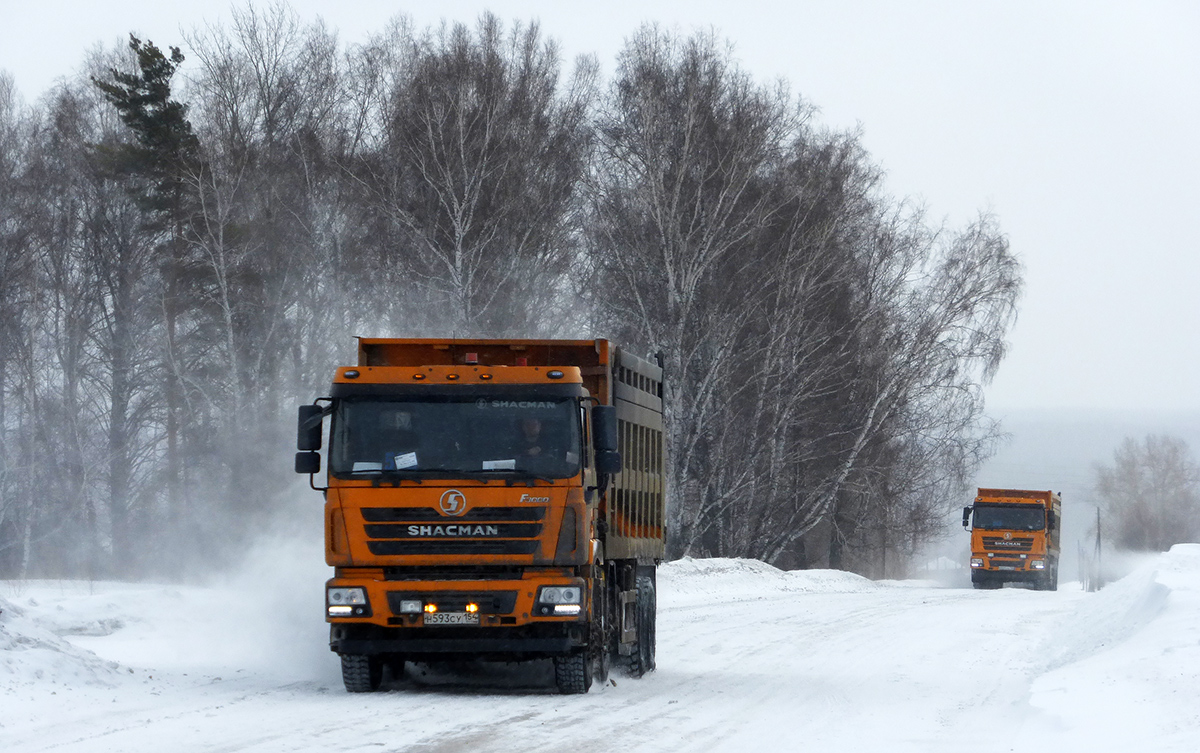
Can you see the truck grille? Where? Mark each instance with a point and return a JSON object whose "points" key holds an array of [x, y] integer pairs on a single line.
{"points": [[397, 531], [1011, 545], [452, 572], [391, 548], [425, 514]]}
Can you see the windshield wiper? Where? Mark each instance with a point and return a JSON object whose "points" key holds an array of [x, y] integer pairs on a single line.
{"points": [[416, 474], [518, 474]]}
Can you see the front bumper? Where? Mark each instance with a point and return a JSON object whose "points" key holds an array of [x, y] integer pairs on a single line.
{"points": [[507, 603], [424, 644]]}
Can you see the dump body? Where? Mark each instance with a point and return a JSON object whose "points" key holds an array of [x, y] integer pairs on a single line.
{"points": [[1015, 536], [472, 508]]}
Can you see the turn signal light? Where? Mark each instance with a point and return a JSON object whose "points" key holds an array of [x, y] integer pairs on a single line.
{"points": [[430, 608]]}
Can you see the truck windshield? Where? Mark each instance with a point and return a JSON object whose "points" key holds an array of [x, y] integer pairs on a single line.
{"points": [[452, 436], [1010, 517]]}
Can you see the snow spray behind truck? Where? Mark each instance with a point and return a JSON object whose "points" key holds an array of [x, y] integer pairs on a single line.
{"points": [[1014, 537], [494, 499]]}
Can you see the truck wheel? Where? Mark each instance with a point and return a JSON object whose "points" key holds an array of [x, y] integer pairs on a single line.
{"points": [[572, 674], [641, 660], [361, 673]]}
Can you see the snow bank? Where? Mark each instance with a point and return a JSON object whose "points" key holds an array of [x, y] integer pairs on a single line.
{"points": [[689, 581], [1119, 610], [1128, 661], [31, 654], [1108, 617]]}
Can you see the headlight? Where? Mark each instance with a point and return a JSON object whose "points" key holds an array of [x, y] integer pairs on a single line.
{"points": [[346, 602], [345, 596], [1037, 564], [559, 600], [560, 595], [977, 562]]}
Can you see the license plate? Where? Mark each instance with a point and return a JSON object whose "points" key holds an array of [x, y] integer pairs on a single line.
{"points": [[452, 618], [1006, 567]]}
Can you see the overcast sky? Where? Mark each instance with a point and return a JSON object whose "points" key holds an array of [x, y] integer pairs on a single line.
{"points": [[1074, 122]]}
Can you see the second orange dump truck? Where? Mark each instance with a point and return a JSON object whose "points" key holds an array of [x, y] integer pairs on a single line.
{"points": [[495, 499], [1015, 537]]}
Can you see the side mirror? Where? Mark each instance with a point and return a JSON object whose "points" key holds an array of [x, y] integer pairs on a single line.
{"points": [[966, 516], [308, 429], [604, 429], [308, 462], [1050, 523], [608, 462]]}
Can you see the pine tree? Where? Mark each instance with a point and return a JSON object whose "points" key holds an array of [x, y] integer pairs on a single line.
{"points": [[164, 165]]}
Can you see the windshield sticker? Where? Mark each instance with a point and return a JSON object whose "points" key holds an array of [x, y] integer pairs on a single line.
{"points": [[361, 466], [398, 461], [499, 465]]}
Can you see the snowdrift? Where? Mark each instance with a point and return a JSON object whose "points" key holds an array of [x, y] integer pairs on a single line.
{"points": [[689, 582], [32, 654], [1126, 662]]}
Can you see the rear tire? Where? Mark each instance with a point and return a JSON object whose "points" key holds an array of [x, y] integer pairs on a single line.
{"points": [[572, 674], [641, 660], [361, 673]]}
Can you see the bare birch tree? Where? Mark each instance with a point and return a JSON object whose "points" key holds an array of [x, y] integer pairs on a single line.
{"points": [[686, 142], [482, 150]]}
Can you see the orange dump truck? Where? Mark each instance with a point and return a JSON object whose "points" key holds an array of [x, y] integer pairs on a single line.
{"points": [[493, 499], [1015, 537]]}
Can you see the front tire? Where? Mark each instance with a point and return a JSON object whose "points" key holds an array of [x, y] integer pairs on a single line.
{"points": [[361, 673], [1051, 581], [572, 674]]}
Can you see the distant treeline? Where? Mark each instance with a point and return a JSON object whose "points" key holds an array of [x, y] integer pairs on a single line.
{"points": [[184, 259]]}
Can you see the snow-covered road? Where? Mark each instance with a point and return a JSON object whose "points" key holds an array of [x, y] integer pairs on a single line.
{"points": [[750, 658]]}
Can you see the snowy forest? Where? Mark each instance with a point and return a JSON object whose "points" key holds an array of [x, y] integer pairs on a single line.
{"points": [[186, 253]]}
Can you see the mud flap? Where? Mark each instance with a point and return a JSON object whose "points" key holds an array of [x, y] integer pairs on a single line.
{"points": [[627, 603]]}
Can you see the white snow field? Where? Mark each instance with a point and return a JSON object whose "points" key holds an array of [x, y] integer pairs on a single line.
{"points": [[749, 658]]}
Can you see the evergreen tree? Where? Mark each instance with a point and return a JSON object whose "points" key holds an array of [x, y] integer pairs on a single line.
{"points": [[165, 165]]}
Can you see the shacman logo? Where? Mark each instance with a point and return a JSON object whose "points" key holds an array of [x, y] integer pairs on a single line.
{"points": [[483, 403], [452, 502], [1007, 536]]}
